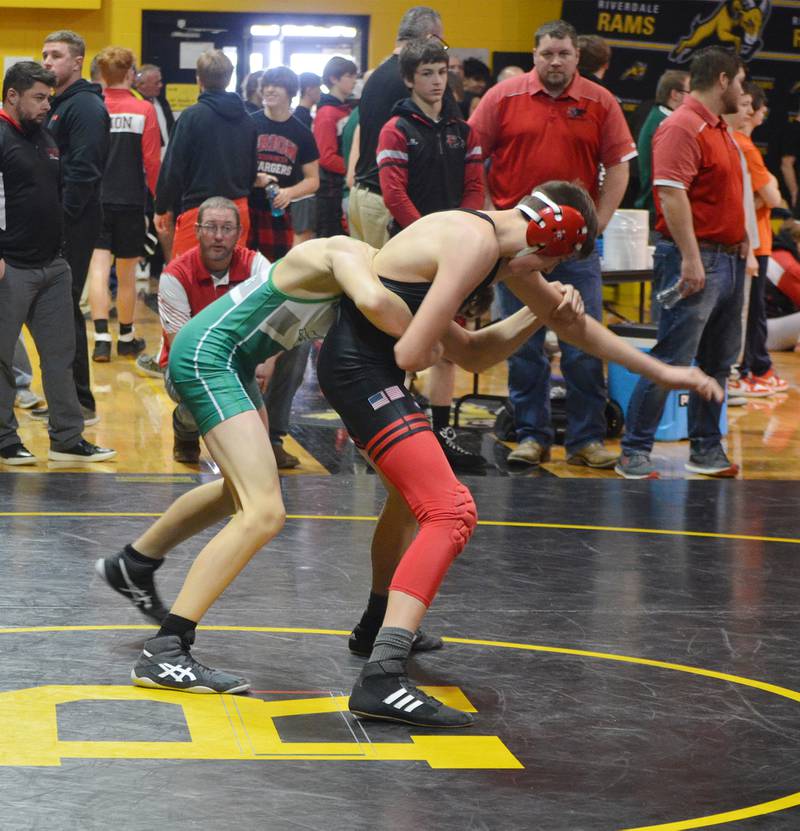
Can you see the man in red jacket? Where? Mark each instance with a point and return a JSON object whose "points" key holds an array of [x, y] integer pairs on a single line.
{"points": [[333, 110]]}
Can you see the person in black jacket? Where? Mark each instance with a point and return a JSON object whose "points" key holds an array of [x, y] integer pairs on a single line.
{"points": [[80, 125], [367, 215], [35, 280], [212, 152]]}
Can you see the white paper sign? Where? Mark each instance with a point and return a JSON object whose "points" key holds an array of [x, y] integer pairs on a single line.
{"points": [[191, 51], [10, 60]]}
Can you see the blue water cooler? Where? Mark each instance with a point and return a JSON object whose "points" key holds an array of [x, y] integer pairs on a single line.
{"points": [[621, 382]]}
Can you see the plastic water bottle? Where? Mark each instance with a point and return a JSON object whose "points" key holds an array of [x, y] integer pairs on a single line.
{"points": [[668, 298], [272, 190]]}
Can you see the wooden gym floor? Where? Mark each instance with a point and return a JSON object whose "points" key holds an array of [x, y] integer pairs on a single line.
{"points": [[629, 647]]}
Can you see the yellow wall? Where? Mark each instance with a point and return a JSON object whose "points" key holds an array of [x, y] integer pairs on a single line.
{"points": [[496, 25]]}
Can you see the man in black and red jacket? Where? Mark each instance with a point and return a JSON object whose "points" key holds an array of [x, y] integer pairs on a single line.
{"points": [[367, 214], [35, 279], [429, 160]]}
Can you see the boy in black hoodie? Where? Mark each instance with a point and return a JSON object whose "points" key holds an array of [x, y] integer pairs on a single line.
{"points": [[339, 76], [79, 123], [212, 152]]}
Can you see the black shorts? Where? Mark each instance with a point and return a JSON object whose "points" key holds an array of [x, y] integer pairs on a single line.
{"points": [[304, 214], [359, 377], [123, 232]]}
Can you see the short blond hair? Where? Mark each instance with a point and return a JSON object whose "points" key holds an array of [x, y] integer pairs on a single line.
{"points": [[114, 63], [214, 69]]}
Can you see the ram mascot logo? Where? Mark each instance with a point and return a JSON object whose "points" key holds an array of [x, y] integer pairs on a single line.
{"points": [[737, 23], [635, 72]]}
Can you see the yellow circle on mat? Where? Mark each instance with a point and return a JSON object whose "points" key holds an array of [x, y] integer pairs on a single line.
{"points": [[790, 801]]}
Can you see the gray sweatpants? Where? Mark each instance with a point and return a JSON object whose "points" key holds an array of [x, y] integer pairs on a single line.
{"points": [[41, 298], [23, 371]]}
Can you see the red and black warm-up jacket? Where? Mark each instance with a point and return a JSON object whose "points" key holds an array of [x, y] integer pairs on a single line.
{"points": [[332, 114], [427, 166], [31, 221], [134, 156]]}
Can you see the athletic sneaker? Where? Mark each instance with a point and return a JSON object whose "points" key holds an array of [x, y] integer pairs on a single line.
{"points": [[772, 380], [101, 354], [712, 462], [186, 451], [636, 466], [167, 664], [40, 413], [748, 387], [362, 640], [148, 365], [283, 459], [459, 457], [16, 454], [130, 348], [26, 398], [135, 582], [383, 691], [82, 451]]}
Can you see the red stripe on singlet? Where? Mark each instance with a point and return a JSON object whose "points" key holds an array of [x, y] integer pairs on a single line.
{"points": [[404, 424]]}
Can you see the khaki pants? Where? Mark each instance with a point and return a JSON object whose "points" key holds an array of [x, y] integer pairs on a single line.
{"points": [[368, 217]]}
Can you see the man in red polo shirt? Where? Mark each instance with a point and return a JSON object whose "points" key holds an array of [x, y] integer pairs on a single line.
{"points": [[553, 124], [697, 179]]}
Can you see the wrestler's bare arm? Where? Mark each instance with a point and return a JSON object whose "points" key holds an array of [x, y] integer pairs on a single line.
{"points": [[465, 254], [592, 337], [479, 350]]}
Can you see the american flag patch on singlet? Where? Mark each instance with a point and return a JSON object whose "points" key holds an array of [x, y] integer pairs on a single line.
{"points": [[382, 398], [378, 400]]}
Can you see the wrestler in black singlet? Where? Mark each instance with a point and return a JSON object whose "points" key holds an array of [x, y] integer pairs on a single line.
{"points": [[358, 374]]}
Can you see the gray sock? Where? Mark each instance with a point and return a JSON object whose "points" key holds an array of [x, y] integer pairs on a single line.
{"points": [[392, 644]]}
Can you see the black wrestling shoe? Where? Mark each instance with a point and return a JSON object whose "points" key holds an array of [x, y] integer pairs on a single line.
{"points": [[362, 640], [383, 691], [461, 459], [134, 582], [167, 664]]}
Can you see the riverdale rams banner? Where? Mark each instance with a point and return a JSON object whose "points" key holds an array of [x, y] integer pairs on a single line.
{"points": [[648, 38]]}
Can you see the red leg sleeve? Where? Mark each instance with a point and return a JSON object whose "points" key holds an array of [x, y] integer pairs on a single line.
{"points": [[443, 507]]}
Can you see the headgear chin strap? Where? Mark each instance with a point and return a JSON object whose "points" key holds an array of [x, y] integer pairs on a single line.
{"points": [[555, 230]]}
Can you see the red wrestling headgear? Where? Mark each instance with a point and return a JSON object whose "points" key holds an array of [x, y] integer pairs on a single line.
{"points": [[555, 230]]}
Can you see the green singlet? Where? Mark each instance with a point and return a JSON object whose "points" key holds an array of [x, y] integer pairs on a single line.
{"points": [[214, 356]]}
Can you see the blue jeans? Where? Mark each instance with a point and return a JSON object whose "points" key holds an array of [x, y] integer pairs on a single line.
{"points": [[529, 369], [705, 328]]}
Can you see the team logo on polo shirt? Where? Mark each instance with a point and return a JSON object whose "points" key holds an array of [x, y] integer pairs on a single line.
{"points": [[455, 142], [576, 112]]}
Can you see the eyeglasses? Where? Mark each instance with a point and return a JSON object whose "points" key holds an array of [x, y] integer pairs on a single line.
{"points": [[213, 230], [445, 44]]}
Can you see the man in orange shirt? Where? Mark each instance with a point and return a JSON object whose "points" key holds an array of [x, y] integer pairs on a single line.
{"points": [[698, 184], [757, 377], [550, 124]]}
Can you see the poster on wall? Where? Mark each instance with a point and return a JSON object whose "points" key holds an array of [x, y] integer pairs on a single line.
{"points": [[649, 38]]}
